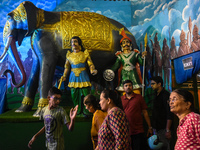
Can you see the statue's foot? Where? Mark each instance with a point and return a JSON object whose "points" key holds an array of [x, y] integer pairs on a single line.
{"points": [[37, 113], [24, 108]]}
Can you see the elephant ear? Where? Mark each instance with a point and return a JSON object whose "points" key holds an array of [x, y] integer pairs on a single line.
{"points": [[6, 32], [22, 21], [31, 12]]}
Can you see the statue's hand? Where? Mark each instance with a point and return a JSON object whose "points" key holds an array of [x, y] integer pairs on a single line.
{"points": [[63, 78], [94, 72], [144, 54]]}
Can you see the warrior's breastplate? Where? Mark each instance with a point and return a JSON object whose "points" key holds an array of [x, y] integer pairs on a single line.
{"points": [[127, 61], [78, 62]]}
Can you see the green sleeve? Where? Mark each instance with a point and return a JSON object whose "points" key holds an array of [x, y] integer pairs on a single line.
{"points": [[139, 58], [116, 65]]}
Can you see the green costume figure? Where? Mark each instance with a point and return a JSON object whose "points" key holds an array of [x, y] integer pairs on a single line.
{"points": [[128, 59], [79, 81]]}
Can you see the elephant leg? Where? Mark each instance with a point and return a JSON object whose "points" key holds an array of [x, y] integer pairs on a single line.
{"points": [[48, 62], [31, 88]]}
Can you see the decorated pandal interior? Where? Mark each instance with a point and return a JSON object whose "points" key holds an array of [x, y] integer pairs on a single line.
{"points": [[83, 53]]}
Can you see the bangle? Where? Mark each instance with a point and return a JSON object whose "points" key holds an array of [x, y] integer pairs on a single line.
{"points": [[167, 130], [150, 128]]}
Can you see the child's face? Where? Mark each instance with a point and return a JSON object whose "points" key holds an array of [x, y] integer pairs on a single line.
{"points": [[90, 108], [54, 100]]}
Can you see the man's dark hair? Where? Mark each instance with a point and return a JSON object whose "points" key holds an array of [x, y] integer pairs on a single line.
{"points": [[127, 81], [157, 79], [53, 91]]}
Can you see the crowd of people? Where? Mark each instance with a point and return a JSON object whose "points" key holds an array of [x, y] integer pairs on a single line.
{"points": [[117, 122], [118, 118]]}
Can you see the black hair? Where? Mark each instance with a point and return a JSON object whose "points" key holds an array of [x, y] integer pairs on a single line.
{"points": [[157, 79], [127, 81], [53, 91], [114, 96], [187, 96], [91, 100], [79, 42]]}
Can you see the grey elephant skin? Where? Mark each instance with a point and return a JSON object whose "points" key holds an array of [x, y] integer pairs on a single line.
{"points": [[50, 40]]}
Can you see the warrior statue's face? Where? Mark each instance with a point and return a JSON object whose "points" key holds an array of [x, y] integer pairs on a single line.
{"points": [[75, 45], [126, 44]]}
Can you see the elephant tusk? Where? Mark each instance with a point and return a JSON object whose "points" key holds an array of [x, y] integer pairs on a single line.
{"points": [[4, 53], [6, 48], [19, 63], [8, 42]]}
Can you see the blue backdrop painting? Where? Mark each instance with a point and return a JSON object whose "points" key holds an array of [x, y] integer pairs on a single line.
{"points": [[169, 25]]}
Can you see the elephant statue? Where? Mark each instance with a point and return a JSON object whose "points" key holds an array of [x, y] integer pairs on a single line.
{"points": [[50, 34]]}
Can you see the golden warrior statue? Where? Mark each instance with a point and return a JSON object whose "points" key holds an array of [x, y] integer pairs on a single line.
{"points": [[79, 81]]}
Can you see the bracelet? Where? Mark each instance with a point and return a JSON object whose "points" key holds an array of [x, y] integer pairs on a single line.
{"points": [[167, 130], [150, 128]]}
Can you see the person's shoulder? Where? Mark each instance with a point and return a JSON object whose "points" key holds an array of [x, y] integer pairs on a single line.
{"points": [[138, 96], [123, 96], [195, 116], [116, 110], [60, 108], [68, 53], [44, 108], [191, 119], [164, 91], [86, 53], [117, 114], [99, 113]]}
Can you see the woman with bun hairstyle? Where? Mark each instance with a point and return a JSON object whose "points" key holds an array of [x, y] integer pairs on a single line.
{"points": [[92, 105]]}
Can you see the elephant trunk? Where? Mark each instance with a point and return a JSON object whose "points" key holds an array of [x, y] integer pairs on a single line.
{"points": [[19, 63]]}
